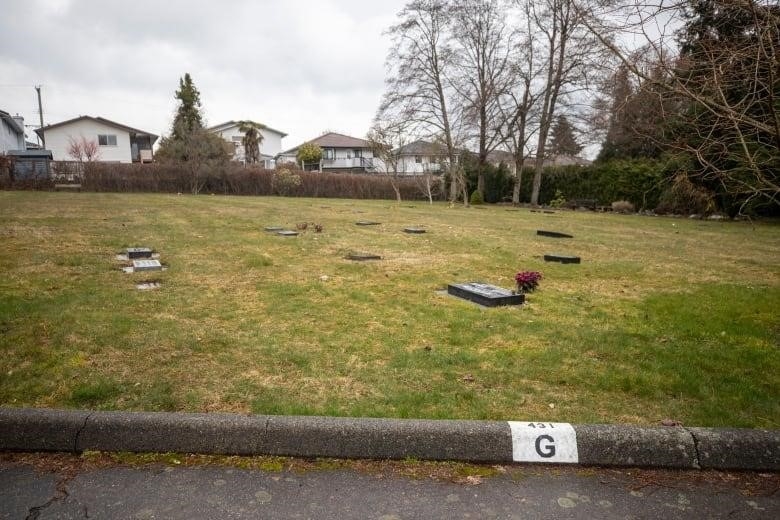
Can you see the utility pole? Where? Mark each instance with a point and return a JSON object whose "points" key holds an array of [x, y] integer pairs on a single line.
{"points": [[40, 113]]}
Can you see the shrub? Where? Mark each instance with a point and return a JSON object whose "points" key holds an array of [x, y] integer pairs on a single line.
{"points": [[476, 198], [559, 200], [683, 196], [622, 206], [285, 181]]}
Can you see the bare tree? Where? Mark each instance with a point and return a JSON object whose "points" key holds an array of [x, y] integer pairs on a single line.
{"points": [[82, 149], [570, 58], [720, 62], [483, 71], [519, 100], [386, 139], [418, 88]]}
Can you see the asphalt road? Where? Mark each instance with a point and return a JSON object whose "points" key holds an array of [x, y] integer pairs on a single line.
{"points": [[63, 487]]}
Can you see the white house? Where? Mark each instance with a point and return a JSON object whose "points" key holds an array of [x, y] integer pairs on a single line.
{"points": [[339, 152], [116, 142], [418, 158], [270, 146], [11, 132]]}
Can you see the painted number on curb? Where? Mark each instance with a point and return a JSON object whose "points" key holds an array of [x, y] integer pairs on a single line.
{"points": [[543, 442]]}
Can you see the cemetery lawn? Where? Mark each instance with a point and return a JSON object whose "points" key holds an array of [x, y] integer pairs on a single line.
{"points": [[664, 318]]}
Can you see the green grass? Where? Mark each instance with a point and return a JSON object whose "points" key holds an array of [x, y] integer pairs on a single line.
{"points": [[665, 318]]}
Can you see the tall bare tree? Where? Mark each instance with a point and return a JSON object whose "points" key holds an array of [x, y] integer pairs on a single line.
{"points": [[570, 57], [418, 87], [519, 100], [483, 71]]}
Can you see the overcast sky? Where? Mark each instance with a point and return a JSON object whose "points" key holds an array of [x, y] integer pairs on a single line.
{"points": [[300, 66]]}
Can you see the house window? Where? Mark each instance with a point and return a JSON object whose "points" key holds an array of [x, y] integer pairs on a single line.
{"points": [[349, 154], [328, 153], [358, 153], [417, 159], [107, 139]]}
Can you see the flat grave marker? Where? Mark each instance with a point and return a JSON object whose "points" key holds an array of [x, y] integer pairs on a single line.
{"points": [[414, 230], [367, 223], [360, 257], [274, 229], [485, 294], [564, 259], [147, 265], [553, 234], [287, 233], [138, 252]]}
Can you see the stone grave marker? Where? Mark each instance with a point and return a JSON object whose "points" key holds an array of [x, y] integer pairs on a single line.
{"points": [[274, 229], [414, 230], [138, 252], [287, 233], [553, 234], [360, 257], [564, 259], [485, 294], [146, 265], [367, 223]]}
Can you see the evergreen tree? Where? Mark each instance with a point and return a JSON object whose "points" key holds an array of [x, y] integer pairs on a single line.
{"points": [[636, 118], [729, 57], [563, 140], [188, 115], [197, 150]]}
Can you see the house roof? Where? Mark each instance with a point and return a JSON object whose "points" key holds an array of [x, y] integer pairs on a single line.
{"points": [[13, 123], [333, 140], [421, 147], [99, 120], [231, 123], [500, 156]]}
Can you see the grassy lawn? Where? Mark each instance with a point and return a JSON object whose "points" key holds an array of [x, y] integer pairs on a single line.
{"points": [[665, 318]]}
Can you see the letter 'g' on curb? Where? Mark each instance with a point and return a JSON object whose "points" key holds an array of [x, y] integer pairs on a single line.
{"points": [[543, 442]]}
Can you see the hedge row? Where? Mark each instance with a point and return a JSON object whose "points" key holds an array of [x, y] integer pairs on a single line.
{"points": [[234, 179]]}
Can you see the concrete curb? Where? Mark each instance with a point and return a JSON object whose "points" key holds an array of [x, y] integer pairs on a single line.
{"points": [[473, 441]]}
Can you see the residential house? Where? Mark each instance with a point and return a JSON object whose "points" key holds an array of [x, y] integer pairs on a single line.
{"points": [[497, 157], [339, 152], [418, 158], [11, 132], [116, 142], [270, 146]]}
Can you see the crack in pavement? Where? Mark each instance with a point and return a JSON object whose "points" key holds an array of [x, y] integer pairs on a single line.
{"points": [[60, 493]]}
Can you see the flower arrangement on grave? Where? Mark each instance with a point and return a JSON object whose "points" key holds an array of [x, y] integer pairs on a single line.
{"points": [[527, 281]]}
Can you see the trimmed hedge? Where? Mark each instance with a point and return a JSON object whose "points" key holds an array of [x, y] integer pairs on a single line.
{"points": [[235, 179]]}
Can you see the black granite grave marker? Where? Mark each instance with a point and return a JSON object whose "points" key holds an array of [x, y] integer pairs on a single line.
{"points": [[138, 252], [414, 230], [363, 256], [564, 259], [553, 234], [485, 294]]}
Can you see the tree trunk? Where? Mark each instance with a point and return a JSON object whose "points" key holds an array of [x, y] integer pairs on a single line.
{"points": [[518, 181]]}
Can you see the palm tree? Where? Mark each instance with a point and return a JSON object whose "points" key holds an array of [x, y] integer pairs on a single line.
{"points": [[251, 140]]}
